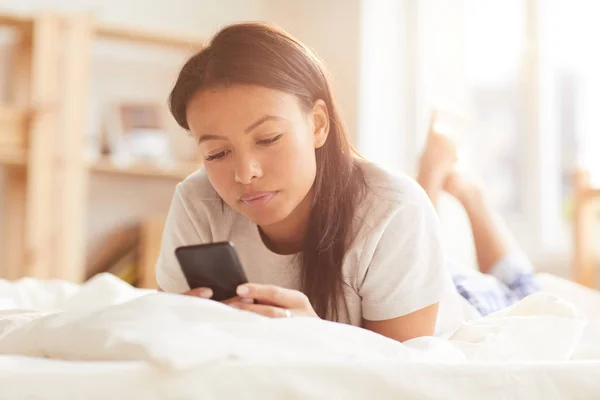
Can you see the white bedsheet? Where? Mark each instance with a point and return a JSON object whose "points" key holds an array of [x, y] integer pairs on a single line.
{"points": [[157, 345]]}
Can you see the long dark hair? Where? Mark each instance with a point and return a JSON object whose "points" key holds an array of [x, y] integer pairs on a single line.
{"points": [[262, 55]]}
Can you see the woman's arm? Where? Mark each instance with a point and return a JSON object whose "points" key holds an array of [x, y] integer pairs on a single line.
{"points": [[409, 326], [406, 280]]}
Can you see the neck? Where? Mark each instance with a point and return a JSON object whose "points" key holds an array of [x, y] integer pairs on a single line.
{"points": [[287, 236]]}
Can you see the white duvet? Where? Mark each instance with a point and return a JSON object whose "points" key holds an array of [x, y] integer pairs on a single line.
{"points": [[542, 347]]}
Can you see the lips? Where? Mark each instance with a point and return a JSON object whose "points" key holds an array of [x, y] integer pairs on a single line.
{"points": [[257, 199]]}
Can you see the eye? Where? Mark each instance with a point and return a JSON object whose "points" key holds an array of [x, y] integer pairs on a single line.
{"points": [[270, 140], [217, 156]]}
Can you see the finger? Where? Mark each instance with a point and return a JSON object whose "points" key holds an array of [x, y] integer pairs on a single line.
{"points": [[267, 311], [273, 295], [205, 293], [237, 299]]}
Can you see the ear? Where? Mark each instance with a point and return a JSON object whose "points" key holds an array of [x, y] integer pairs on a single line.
{"points": [[320, 123]]}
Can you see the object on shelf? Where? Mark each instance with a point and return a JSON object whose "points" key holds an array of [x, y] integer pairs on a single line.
{"points": [[113, 247], [130, 253], [117, 254], [136, 132]]}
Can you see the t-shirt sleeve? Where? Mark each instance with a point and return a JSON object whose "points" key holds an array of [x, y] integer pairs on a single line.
{"points": [[179, 230], [407, 270]]}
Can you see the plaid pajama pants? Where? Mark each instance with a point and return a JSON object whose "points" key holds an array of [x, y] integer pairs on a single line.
{"points": [[510, 280]]}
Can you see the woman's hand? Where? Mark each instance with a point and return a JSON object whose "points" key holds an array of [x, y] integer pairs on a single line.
{"points": [[268, 300], [272, 301], [207, 293]]}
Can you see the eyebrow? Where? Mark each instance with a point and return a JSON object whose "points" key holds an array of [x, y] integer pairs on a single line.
{"points": [[204, 138], [262, 120], [252, 126]]}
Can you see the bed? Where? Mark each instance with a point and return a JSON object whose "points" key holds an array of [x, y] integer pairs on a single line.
{"points": [[39, 378], [114, 341]]}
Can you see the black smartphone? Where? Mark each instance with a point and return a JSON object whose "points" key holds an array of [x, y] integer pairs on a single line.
{"points": [[212, 265]]}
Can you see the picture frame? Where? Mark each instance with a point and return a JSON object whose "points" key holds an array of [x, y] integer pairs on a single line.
{"points": [[136, 132]]}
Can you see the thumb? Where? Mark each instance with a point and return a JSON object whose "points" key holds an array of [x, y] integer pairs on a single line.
{"points": [[205, 293]]}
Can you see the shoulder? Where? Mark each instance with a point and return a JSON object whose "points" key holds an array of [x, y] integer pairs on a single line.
{"points": [[196, 201], [394, 218], [396, 262], [389, 194], [195, 216], [197, 195], [197, 187]]}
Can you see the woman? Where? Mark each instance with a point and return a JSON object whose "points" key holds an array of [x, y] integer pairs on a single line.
{"points": [[320, 232]]}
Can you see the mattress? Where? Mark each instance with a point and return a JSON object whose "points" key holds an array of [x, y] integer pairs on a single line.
{"points": [[25, 377]]}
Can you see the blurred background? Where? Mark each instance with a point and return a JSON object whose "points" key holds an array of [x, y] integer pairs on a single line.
{"points": [[99, 156]]}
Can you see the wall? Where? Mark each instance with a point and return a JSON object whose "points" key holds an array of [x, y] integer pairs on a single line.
{"points": [[186, 16], [385, 72], [331, 28]]}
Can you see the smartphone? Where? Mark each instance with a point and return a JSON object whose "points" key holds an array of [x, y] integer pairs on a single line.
{"points": [[212, 265]]}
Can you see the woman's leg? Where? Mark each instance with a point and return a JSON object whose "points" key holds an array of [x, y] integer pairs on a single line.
{"points": [[491, 243], [495, 254], [436, 173], [435, 165]]}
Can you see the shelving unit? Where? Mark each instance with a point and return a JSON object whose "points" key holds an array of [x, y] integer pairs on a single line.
{"points": [[28, 130], [22, 22], [75, 170], [140, 36], [587, 204], [42, 149], [13, 158]]}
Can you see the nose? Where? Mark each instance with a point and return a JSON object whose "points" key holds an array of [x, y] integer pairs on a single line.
{"points": [[247, 168]]}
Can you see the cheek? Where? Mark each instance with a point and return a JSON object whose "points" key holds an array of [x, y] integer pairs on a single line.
{"points": [[296, 163], [220, 177]]}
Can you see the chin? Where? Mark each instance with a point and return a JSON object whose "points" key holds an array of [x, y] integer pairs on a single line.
{"points": [[265, 217], [264, 220]]}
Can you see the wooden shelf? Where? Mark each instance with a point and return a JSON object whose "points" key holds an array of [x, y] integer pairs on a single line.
{"points": [[25, 22], [14, 127], [593, 193], [48, 44], [16, 20], [13, 157], [584, 218], [145, 170], [148, 37]]}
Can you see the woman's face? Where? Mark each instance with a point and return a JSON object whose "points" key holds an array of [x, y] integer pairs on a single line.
{"points": [[258, 147]]}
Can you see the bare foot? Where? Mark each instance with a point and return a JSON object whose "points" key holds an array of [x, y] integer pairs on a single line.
{"points": [[436, 163], [461, 187]]}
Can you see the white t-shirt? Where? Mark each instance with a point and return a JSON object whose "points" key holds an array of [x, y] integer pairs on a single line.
{"points": [[395, 266]]}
